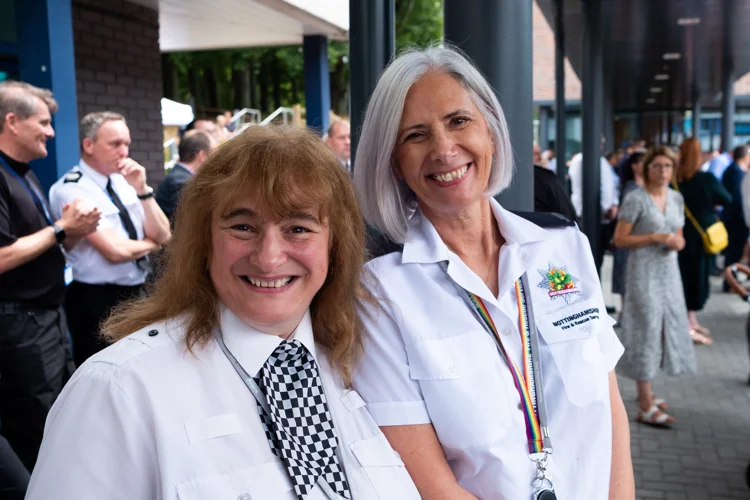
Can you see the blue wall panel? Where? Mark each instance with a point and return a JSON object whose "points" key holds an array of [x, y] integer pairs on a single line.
{"points": [[317, 82]]}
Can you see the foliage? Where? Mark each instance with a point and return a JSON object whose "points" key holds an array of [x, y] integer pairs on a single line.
{"points": [[253, 77]]}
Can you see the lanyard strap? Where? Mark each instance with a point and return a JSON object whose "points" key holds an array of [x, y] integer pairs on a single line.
{"points": [[261, 399], [528, 381], [32, 190]]}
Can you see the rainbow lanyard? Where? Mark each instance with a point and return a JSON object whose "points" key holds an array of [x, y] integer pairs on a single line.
{"points": [[527, 379]]}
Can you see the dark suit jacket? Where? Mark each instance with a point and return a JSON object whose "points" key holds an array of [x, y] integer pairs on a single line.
{"points": [[168, 193], [550, 194], [732, 215]]}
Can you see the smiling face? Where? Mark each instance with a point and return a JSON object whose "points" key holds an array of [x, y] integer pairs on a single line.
{"points": [[33, 132], [267, 271], [444, 147]]}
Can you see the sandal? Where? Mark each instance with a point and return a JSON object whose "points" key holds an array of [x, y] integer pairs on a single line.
{"points": [[658, 402], [700, 339], [655, 418], [702, 330]]}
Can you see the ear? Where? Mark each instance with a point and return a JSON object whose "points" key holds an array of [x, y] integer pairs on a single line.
{"points": [[11, 122], [87, 145]]}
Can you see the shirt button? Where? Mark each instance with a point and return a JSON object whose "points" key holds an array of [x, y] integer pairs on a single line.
{"points": [[244, 496], [453, 369], [153, 333], [507, 331]]}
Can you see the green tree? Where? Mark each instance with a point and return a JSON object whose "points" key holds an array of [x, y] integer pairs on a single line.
{"points": [[418, 22]]}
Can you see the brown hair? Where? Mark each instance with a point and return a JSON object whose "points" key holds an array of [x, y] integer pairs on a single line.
{"points": [[287, 169], [651, 155], [690, 159]]}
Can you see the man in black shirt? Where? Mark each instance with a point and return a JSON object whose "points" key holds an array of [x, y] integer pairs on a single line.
{"points": [[35, 358], [550, 194]]}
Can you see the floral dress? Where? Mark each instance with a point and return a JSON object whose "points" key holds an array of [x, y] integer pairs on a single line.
{"points": [[655, 329]]}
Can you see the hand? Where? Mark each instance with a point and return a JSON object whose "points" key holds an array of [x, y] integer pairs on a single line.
{"points": [[660, 238], [79, 218], [612, 212], [134, 173]]}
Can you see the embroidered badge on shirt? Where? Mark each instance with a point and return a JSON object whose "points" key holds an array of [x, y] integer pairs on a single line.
{"points": [[559, 283]]}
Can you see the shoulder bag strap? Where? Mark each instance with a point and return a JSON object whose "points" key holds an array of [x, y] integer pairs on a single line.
{"points": [[690, 215]]}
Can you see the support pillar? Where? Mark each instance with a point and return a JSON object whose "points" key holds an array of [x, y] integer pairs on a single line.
{"points": [[544, 127], [696, 125], [317, 82], [46, 60], [591, 109], [372, 44], [560, 131], [497, 36]]}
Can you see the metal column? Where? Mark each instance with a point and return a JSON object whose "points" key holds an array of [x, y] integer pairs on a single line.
{"points": [[560, 135], [371, 46], [591, 110], [498, 37], [317, 82], [727, 96], [46, 59], [543, 127], [696, 118]]}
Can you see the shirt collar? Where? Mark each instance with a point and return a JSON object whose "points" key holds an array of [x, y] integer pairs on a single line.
{"points": [[182, 165], [100, 179], [252, 347], [19, 167], [423, 243]]}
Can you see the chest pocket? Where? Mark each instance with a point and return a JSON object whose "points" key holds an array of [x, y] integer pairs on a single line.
{"points": [[382, 466], [462, 384], [267, 481], [572, 340]]}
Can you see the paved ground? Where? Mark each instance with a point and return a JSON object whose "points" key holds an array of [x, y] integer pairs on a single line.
{"points": [[705, 455]]}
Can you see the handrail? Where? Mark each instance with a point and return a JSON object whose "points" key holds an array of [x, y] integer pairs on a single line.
{"points": [[286, 113], [254, 114], [171, 152]]}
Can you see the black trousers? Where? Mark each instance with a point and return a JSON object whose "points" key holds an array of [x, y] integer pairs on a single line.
{"points": [[14, 478], [35, 363], [87, 306]]}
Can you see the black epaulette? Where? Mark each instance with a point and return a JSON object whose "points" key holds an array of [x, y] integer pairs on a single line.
{"points": [[546, 219], [73, 176]]}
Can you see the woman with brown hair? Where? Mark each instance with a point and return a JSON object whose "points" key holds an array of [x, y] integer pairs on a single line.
{"points": [[230, 380], [654, 324], [702, 192]]}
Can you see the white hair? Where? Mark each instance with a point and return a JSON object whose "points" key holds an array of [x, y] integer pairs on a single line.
{"points": [[387, 202]]}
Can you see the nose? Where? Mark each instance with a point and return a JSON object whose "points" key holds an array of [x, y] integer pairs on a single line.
{"points": [[124, 152], [443, 146], [269, 253], [50, 132]]}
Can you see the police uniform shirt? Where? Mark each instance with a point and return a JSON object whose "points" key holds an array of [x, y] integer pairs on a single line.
{"points": [[150, 421], [428, 359], [88, 264], [39, 282]]}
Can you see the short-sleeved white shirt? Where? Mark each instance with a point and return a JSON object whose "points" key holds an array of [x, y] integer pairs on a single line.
{"points": [[428, 359], [145, 419], [88, 264]]}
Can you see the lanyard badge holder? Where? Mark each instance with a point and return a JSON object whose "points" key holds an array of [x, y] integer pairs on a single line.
{"points": [[527, 379]]}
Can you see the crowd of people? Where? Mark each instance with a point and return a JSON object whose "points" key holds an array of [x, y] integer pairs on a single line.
{"points": [[238, 332]]}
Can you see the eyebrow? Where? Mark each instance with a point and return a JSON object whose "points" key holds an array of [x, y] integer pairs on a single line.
{"points": [[453, 114], [246, 212]]}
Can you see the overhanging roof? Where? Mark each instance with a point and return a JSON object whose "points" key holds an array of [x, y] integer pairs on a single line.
{"points": [[186, 25], [640, 32]]}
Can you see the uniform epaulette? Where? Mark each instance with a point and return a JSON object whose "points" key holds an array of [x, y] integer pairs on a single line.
{"points": [[73, 176], [546, 219]]}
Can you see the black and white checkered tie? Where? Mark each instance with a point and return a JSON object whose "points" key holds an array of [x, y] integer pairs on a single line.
{"points": [[300, 429]]}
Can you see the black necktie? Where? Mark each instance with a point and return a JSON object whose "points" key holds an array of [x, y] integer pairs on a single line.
{"points": [[124, 215]]}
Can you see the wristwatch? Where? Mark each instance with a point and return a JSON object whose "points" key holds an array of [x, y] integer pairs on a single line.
{"points": [[148, 194], [59, 233]]}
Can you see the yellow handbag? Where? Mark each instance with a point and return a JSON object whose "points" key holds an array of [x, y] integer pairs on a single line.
{"points": [[715, 237]]}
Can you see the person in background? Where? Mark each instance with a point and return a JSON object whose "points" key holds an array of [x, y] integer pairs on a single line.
{"points": [[206, 125], [549, 160], [632, 177], [111, 264], [194, 148], [339, 139], [229, 125], [733, 214], [35, 358], [232, 379], [719, 163], [702, 193], [442, 348], [549, 192], [655, 329]]}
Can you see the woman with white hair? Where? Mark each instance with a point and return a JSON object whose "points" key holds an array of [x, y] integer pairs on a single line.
{"points": [[489, 361]]}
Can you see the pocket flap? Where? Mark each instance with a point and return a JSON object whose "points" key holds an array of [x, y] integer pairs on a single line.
{"points": [[352, 401], [375, 452], [203, 429], [449, 358], [264, 481]]}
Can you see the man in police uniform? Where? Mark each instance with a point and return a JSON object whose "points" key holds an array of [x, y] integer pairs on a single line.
{"points": [[35, 358], [111, 264], [339, 139]]}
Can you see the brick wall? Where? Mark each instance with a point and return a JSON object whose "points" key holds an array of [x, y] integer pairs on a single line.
{"points": [[118, 68], [544, 62]]}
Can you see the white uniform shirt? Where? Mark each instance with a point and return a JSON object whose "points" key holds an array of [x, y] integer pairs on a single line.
{"points": [[144, 419], [607, 186], [428, 359], [88, 264]]}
